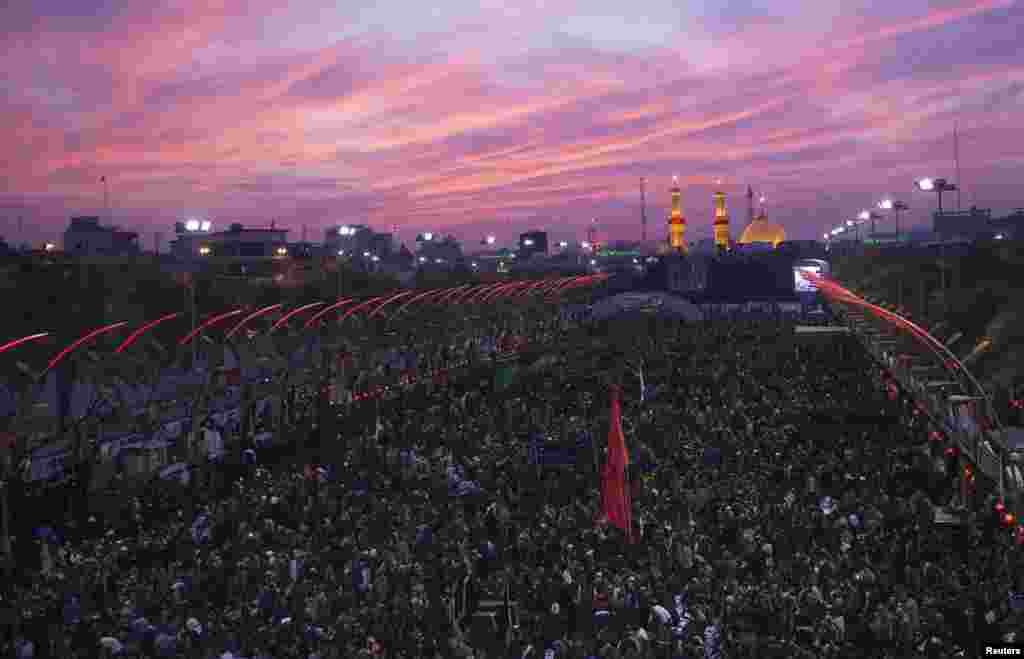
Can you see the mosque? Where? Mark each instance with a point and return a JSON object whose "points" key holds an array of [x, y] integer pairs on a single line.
{"points": [[759, 234], [750, 267]]}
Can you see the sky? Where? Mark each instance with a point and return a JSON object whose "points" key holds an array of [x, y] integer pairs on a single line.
{"points": [[483, 117]]}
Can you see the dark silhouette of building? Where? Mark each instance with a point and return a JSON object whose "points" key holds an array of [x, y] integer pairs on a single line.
{"points": [[532, 243], [86, 237]]}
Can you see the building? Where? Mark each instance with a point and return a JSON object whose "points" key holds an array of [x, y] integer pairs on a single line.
{"points": [[190, 237], [237, 242], [762, 231], [977, 224], [1010, 227], [676, 221], [721, 223], [86, 237], [532, 243], [356, 240], [437, 252], [967, 225]]}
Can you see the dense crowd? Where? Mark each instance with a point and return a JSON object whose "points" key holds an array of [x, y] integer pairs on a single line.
{"points": [[767, 524]]}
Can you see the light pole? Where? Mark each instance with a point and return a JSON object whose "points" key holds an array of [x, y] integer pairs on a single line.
{"points": [[866, 215], [936, 185], [895, 207]]}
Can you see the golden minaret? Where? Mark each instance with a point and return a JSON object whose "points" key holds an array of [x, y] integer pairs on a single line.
{"points": [[721, 225], [676, 221]]}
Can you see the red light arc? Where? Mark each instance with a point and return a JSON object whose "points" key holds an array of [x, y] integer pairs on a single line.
{"points": [[323, 312], [359, 307], [418, 296], [134, 336], [81, 340], [254, 315], [388, 301], [288, 316], [210, 322], [25, 339]]}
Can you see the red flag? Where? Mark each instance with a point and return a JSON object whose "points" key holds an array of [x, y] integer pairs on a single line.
{"points": [[616, 506]]}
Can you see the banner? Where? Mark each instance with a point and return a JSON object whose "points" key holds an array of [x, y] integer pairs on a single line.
{"points": [[48, 464], [542, 453], [178, 471]]}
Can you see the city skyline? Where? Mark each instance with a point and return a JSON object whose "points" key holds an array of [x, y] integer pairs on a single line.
{"points": [[476, 119]]}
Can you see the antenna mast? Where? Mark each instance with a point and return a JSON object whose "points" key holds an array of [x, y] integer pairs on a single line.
{"points": [[106, 198], [956, 162], [643, 210]]}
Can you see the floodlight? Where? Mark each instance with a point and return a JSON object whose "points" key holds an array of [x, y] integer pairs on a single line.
{"points": [[204, 225], [428, 236], [864, 215], [885, 204], [192, 225], [528, 242], [926, 184], [490, 240]]}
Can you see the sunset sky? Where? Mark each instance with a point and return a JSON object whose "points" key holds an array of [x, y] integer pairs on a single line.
{"points": [[485, 117]]}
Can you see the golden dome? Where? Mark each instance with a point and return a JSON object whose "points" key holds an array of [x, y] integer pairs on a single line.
{"points": [[763, 231]]}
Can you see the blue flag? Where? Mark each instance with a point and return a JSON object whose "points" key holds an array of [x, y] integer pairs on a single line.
{"points": [[361, 576], [541, 453], [201, 529]]}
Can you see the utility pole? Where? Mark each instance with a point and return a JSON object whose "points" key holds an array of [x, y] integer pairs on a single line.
{"points": [[956, 163], [106, 198], [156, 243], [643, 210]]}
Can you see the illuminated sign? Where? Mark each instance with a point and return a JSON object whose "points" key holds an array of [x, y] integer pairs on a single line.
{"points": [[803, 285]]}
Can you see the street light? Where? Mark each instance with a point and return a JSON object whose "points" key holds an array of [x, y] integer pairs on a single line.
{"points": [[563, 244], [936, 185], [895, 207], [192, 225], [428, 236], [49, 247], [866, 215], [489, 240]]}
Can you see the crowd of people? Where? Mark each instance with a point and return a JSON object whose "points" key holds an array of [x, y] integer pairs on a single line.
{"points": [[766, 523]]}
